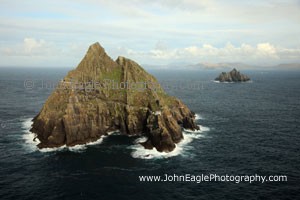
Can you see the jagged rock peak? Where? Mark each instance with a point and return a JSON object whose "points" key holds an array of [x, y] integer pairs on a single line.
{"points": [[96, 48], [121, 60], [94, 63]]}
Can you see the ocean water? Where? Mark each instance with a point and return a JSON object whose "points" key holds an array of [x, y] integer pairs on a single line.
{"points": [[246, 128]]}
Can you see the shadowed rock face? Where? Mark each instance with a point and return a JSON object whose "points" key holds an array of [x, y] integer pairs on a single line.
{"points": [[233, 76], [78, 116]]}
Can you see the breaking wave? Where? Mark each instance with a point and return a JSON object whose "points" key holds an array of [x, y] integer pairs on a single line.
{"points": [[198, 116], [232, 82], [222, 82], [32, 145], [181, 148], [138, 150]]}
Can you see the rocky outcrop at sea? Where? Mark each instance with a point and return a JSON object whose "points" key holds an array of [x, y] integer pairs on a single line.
{"points": [[233, 76], [102, 95]]}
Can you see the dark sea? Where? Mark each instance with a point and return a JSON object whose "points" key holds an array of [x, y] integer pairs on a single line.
{"points": [[246, 129]]}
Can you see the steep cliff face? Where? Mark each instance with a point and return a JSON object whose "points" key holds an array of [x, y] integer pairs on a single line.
{"points": [[233, 76], [102, 95]]}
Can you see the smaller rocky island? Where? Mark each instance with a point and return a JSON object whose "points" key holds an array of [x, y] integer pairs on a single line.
{"points": [[233, 76]]}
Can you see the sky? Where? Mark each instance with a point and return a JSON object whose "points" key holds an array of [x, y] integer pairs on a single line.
{"points": [[155, 32]]}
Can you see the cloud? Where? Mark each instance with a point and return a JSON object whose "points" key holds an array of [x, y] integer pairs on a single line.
{"points": [[160, 54], [31, 47], [262, 52], [39, 52], [186, 29], [202, 10]]}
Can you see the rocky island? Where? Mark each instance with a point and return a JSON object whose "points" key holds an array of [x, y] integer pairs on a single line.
{"points": [[102, 95], [233, 76]]}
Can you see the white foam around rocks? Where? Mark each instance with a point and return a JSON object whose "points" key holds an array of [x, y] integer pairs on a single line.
{"points": [[32, 145], [198, 116], [140, 152]]}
